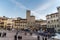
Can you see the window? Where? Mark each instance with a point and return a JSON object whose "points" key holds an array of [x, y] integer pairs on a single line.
{"points": [[52, 26], [48, 21], [55, 26], [53, 15], [54, 20], [51, 20], [48, 17], [47, 25], [20, 25], [56, 15], [57, 20]]}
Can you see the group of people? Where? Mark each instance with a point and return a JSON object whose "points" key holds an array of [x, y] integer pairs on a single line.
{"points": [[29, 33], [17, 37], [3, 34]]}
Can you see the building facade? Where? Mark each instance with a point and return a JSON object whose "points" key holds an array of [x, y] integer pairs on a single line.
{"points": [[58, 9], [53, 21], [3, 22], [10, 23], [21, 23], [29, 22], [42, 23]]}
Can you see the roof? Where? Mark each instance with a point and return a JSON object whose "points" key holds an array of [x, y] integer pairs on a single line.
{"points": [[58, 7], [23, 19], [40, 20], [28, 10], [52, 14], [32, 16], [37, 21]]}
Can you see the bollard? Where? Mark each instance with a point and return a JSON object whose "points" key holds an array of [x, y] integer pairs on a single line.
{"points": [[38, 38], [15, 37]]}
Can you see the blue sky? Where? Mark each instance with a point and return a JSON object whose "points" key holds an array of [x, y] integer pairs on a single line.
{"points": [[17, 8]]}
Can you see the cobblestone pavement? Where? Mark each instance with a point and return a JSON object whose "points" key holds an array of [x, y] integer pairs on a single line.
{"points": [[10, 35]]}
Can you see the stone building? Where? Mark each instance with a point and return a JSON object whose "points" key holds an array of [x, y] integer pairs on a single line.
{"points": [[10, 23], [20, 23], [58, 9], [53, 21], [29, 22], [3, 22]]}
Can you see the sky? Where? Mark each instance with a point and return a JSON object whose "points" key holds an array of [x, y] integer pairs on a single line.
{"points": [[17, 8]]}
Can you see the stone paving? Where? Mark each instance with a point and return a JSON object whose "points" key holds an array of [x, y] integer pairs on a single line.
{"points": [[10, 35]]}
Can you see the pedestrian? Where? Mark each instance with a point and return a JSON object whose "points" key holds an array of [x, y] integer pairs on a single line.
{"points": [[19, 37], [15, 37], [25, 33], [30, 33], [38, 38], [0, 34]]}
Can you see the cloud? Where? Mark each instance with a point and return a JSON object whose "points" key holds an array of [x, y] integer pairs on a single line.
{"points": [[38, 12], [38, 15], [20, 5]]}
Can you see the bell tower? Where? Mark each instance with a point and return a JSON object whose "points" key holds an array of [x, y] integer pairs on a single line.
{"points": [[28, 15]]}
